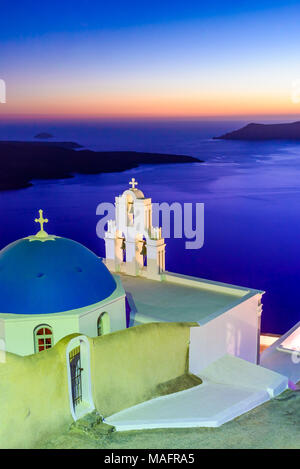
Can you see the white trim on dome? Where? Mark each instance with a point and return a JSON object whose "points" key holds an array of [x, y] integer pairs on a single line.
{"points": [[41, 239]]}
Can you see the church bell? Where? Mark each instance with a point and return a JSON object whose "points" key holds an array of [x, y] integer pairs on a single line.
{"points": [[144, 249]]}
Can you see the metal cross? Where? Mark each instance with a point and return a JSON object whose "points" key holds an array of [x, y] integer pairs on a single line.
{"points": [[41, 220]]}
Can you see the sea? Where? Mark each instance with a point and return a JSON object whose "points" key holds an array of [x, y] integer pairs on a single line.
{"points": [[250, 192]]}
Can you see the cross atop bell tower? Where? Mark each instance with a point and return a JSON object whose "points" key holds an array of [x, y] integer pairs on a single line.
{"points": [[133, 183], [132, 244]]}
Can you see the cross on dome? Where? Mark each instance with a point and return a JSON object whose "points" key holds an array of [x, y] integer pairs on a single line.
{"points": [[133, 183], [41, 220], [42, 233]]}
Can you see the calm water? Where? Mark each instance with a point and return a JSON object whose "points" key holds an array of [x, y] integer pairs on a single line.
{"points": [[251, 193]]}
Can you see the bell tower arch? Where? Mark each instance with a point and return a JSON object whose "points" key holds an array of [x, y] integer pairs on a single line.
{"points": [[130, 239]]}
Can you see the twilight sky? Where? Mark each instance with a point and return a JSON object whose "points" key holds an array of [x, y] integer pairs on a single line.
{"points": [[93, 58]]}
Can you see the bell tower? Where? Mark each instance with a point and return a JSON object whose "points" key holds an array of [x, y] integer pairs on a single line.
{"points": [[132, 245]]}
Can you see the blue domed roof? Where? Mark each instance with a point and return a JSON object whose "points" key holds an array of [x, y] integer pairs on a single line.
{"points": [[50, 277]]}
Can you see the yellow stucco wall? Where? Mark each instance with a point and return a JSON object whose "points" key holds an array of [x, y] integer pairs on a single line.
{"points": [[34, 399], [126, 366]]}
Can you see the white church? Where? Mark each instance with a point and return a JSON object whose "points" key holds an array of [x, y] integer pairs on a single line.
{"points": [[51, 287]]}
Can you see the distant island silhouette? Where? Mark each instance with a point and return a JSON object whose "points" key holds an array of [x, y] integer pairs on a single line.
{"points": [[22, 162], [254, 131], [44, 136]]}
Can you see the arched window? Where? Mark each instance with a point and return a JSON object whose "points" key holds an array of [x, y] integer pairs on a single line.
{"points": [[103, 324], [43, 338]]}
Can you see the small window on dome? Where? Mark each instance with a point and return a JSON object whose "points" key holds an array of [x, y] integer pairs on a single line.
{"points": [[43, 338]]}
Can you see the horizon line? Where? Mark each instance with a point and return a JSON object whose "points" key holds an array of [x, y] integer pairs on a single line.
{"points": [[71, 117]]}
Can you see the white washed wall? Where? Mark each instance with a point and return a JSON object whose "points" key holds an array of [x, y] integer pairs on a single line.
{"points": [[234, 332]]}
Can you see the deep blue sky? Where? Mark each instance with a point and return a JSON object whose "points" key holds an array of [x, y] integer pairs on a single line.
{"points": [[137, 58], [27, 18]]}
